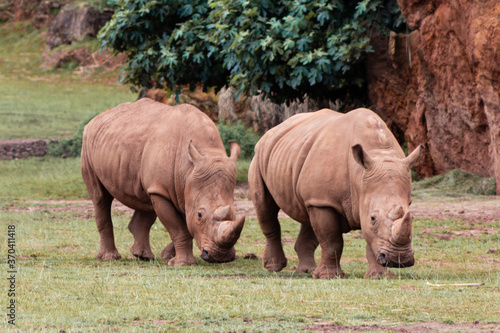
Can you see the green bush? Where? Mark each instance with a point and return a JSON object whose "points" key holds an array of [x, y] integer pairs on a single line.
{"points": [[73, 146], [237, 132], [281, 49]]}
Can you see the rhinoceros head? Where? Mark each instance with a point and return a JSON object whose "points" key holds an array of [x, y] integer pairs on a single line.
{"points": [[384, 206], [210, 213]]}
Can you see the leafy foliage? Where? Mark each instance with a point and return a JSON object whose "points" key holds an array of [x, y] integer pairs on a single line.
{"points": [[290, 48], [283, 49], [244, 136], [166, 43]]}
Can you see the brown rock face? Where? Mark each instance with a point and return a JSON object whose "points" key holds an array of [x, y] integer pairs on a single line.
{"points": [[439, 85], [73, 23]]}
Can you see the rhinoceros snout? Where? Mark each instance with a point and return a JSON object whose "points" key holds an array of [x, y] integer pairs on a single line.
{"points": [[381, 259], [204, 255], [218, 255], [397, 260]]}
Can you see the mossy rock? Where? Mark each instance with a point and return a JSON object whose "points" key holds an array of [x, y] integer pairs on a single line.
{"points": [[457, 182]]}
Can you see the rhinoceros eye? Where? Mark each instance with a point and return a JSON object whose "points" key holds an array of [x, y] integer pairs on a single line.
{"points": [[373, 219], [200, 214]]}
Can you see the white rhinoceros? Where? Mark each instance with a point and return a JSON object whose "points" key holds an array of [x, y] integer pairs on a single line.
{"points": [[168, 162], [334, 173]]}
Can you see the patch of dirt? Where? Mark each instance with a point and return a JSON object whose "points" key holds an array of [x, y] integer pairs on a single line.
{"points": [[478, 209], [22, 148], [326, 326]]}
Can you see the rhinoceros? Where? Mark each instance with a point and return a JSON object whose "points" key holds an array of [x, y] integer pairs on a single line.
{"points": [[167, 162], [334, 173]]}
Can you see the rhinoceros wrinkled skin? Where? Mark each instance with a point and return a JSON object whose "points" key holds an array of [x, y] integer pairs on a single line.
{"points": [[165, 161], [334, 173]]}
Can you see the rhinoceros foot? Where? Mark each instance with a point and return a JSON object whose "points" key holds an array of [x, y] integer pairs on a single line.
{"points": [[108, 255], [328, 272], [306, 267], [143, 254], [168, 252], [179, 261], [274, 262], [378, 273]]}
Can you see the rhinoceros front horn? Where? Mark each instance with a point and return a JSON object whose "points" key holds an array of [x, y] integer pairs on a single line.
{"points": [[401, 230], [229, 231]]}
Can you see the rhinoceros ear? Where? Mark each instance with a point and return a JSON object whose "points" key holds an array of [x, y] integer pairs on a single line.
{"points": [[194, 156], [411, 159], [361, 156], [234, 150]]}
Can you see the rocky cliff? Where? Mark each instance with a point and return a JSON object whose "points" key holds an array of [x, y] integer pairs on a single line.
{"points": [[439, 84]]}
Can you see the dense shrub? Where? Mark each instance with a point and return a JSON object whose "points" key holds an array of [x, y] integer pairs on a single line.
{"points": [[244, 136], [281, 49]]}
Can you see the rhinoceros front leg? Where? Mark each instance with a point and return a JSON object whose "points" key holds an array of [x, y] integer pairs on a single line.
{"points": [[305, 246], [375, 270], [326, 225], [176, 226], [140, 226]]}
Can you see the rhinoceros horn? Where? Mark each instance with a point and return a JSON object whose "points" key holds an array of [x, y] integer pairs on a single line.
{"points": [[229, 231], [411, 159], [401, 229], [222, 213]]}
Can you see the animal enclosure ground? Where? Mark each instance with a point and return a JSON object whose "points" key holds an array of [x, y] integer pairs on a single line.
{"points": [[63, 287]]}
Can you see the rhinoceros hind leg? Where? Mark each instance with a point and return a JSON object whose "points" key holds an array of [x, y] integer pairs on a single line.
{"points": [[140, 226], [326, 225], [176, 226], [102, 206], [375, 270], [168, 252], [267, 213], [305, 246]]}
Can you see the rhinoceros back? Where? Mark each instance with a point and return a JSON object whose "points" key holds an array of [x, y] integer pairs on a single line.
{"points": [[137, 146], [305, 161]]}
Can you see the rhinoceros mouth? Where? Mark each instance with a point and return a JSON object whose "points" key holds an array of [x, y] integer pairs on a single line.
{"points": [[218, 255], [396, 259]]}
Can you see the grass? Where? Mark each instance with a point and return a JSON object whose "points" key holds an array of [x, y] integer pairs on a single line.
{"points": [[46, 103], [46, 178], [58, 275], [61, 286]]}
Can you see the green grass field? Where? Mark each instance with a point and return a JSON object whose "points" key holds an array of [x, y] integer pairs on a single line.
{"points": [[61, 287], [46, 103]]}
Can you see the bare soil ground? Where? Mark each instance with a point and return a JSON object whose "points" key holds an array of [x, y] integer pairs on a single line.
{"points": [[22, 148]]}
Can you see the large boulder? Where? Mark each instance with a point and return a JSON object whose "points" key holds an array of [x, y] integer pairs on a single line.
{"points": [[440, 84], [73, 23]]}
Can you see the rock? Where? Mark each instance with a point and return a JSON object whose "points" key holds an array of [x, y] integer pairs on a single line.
{"points": [[73, 23], [84, 58], [439, 85]]}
